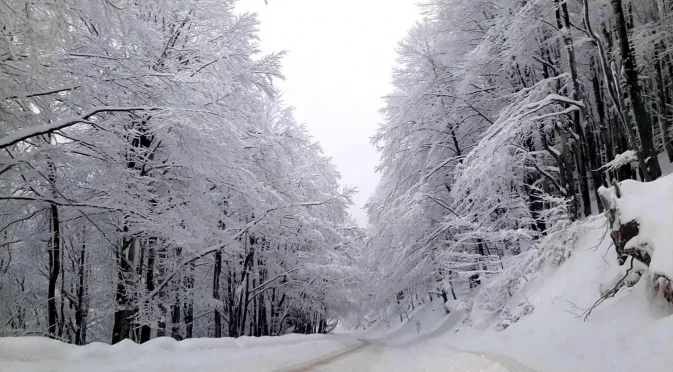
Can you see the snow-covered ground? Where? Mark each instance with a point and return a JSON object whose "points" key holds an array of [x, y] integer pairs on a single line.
{"points": [[407, 347], [337, 353], [166, 354], [631, 332]]}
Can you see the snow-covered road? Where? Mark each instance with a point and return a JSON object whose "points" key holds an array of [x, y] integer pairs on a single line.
{"points": [[317, 353], [372, 356], [363, 357]]}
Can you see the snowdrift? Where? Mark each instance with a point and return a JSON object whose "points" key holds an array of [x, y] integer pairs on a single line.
{"points": [[161, 354], [641, 219], [632, 331]]}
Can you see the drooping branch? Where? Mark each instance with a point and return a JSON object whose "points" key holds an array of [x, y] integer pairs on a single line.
{"points": [[26, 133]]}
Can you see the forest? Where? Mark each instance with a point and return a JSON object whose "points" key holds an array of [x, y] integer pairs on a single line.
{"points": [[154, 183], [507, 119]]}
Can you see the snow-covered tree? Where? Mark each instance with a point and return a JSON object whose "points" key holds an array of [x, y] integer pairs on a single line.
{"points": [[503, 124], [152, 183]]}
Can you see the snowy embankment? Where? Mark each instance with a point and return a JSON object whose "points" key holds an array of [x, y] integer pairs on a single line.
{"points": [[632, 331], [165, 354], [646, 211], [569, 307]]}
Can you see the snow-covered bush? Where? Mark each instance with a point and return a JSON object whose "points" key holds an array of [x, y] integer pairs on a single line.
{"points": [[640, 217], [491, 303]]}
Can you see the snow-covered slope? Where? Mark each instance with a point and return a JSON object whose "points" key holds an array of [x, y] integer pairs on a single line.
{"points": [[631, 332], [427, 321]]}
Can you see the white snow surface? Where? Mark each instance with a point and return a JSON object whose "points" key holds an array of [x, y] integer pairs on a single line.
{"points": [[165, 354], [651, 204], [631, 332], [402, 348]]}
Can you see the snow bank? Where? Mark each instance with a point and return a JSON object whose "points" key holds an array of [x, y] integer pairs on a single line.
{"points": [[629, 332], [651, 205], [161, 354]]}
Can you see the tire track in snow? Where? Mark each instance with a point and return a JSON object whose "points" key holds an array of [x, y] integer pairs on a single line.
{"points": [[363, 358], [327, 359], [369, 356], [510, 364]]}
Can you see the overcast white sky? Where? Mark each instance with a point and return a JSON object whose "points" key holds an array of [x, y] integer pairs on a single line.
{"points": [[340, 55]]}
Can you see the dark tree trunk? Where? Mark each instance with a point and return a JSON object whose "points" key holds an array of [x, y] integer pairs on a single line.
{"points": [[54, 259], [640, 114], [146, 329], [566, 174], [664, 110], [603, 125], [244, 304], [176, 307], [596, 180], [189, 303], [126, 308], [175, 316], [232, 310], [563, 21], [81, 310], [163, 296], [123, 309], [217, 270]]}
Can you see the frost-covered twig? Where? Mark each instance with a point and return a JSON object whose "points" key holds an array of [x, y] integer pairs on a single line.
{"points": [[608, 294]]}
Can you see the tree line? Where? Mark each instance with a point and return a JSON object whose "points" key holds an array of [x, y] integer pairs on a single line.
{"points": [[152, 182], [505, 120]]}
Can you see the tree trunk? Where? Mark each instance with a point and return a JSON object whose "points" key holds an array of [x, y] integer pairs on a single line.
{"points": [[54, 258], [175, 316], [603, 125], [563, 21], [566, 174], [640, 114], [123, 303], [243, 305], [81, 310], [126, 309], [146, 329], [664, 110], [176, 307], [163, 297], [217, 270], [189, 302]]}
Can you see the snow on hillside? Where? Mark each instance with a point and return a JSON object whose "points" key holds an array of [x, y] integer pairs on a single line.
{"points": [[425, 321], [629, 332]]}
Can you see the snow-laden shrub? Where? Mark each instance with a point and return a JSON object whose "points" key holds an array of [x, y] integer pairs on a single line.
{"points": [[509, 317], [490, 304], [640, 218]]}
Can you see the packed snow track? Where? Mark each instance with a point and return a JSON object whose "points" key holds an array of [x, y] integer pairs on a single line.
{"points": [[330, 353], [378, 357]]}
